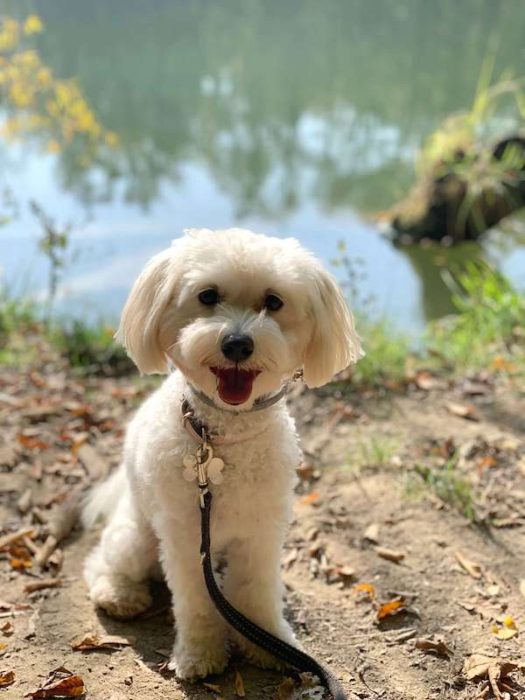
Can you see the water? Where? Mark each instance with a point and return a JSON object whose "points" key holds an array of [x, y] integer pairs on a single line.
{"points": [[291, 118]]}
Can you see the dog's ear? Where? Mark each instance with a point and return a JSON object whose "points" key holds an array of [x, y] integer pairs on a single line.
{"points": [[139, 328], [334, 343]]}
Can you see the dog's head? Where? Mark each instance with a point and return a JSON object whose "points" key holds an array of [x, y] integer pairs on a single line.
{"points": [[238, 313]]}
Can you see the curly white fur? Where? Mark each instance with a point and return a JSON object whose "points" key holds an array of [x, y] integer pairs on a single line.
{"points": [[152, 511]]}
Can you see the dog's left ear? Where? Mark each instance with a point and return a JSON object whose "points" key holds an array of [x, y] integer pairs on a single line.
{"points": [[334, 343]]}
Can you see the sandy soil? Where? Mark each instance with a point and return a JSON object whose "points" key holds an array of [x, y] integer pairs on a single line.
{"points": [[360, 492]]}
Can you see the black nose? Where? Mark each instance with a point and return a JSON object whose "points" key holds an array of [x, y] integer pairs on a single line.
{"points": [[236, 347]]}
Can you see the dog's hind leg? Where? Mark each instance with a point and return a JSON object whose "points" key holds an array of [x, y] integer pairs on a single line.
{"points": [[117, 570]]}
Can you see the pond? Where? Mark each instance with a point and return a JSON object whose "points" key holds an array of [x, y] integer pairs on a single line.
{"points": [[292, 118]]}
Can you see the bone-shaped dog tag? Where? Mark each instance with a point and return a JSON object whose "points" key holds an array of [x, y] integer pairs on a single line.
{"points": [[215, 468], [190, 467]]}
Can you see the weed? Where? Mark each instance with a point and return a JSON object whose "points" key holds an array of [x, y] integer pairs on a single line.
{"points": [[446, 483], [91, 349], [490, 322]]}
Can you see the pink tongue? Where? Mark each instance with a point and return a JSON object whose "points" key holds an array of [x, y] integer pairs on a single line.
{"points": [[235, 385]]}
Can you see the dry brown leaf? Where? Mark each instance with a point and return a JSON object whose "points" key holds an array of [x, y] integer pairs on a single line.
{"points": [[470, 567], [212, 686], [310, 498], [344, 573], [367, 588], [91, 642], [30, 442], [391, 607], [390, 554], [41, 584], [476, 667], [7, 629], [6, 678], [3, 647], [438, 646], [286, 689], [60, 683], [13, 537], [372, 533], [426, 381], [239, 685], [462, 410]]}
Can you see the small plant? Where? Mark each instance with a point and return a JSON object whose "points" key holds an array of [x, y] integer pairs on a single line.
{"points": [[91, 349], [53, 243], [386, 355], [446, 483], [490, 322]]}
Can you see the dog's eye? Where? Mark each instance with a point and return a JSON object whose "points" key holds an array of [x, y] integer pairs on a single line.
{"points": [[272, 302], [209, 297]]}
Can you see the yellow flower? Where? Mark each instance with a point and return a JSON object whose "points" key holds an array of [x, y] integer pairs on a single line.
{"points": [[9, 30], [33, 25]]}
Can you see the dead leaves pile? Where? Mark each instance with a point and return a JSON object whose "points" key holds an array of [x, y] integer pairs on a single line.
{"points": [[60, 683], [494, 672]]}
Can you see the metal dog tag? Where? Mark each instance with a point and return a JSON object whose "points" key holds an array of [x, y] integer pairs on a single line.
{"points": [[203, 465]]}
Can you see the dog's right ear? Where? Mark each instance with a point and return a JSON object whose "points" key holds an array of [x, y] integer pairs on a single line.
{"points": [[139, 328]]}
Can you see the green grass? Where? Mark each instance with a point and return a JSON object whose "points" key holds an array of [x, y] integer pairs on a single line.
{"points": [[446, 483], [372, 454], [489, 324], [386, 355], [91, 349]]}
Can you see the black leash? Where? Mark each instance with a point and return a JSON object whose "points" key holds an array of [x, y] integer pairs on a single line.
{"points": [[282, 650]]}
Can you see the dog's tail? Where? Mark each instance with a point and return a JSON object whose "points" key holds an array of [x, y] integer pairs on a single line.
{"points": [[102, 499]]}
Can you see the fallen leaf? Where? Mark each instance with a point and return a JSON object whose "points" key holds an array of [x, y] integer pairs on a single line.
{"points": [[60, 683], [367, 588], [470, 567], [390, 554], [212, 686], [522, 587], [7, 629], [481, 667], [239, 685], [503, 632], [502, 364], [310, 498], [462, 410], [91, 642], [438, 647], [12, 537], [41, 584], [372, 533], [6, 678], [30, 442], [391, 607], [426, 381], [286, 689], [3, 647], [344, 572]]}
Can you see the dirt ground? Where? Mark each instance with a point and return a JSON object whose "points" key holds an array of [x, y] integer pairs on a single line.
{"points": [[378, 529]]}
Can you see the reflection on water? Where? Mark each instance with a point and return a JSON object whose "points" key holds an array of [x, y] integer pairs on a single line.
{"points": [[286, 117]]}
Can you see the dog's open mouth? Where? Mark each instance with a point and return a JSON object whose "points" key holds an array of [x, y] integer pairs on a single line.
{"points": [[235, 384]]}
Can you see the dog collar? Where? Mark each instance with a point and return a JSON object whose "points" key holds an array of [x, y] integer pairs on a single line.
{"points": [[197, 430]]}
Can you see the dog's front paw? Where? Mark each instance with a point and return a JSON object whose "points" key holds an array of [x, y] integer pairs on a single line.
{"points": [[260, 657], [198, 660], [122, 599]]}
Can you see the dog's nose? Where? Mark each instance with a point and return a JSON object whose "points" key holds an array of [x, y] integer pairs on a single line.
{"points": [[237, 347]]}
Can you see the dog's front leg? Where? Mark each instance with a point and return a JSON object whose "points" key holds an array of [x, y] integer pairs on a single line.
{"points": [[253, 585], [200, 646]]}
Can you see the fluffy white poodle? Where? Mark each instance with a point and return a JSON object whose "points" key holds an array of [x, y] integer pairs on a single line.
{"points": [[237, 313]]}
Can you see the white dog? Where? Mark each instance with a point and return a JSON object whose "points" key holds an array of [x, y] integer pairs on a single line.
{"points": [[237, 313]]}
